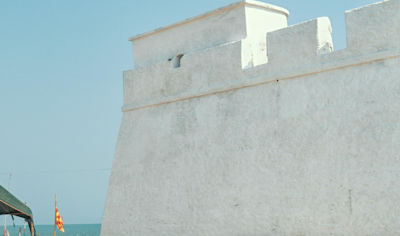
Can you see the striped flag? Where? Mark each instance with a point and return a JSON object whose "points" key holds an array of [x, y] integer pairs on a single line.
{"points": [[59, 222]]}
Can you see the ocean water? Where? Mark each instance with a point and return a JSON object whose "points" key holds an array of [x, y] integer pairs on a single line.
{"points": [[48, 230]]}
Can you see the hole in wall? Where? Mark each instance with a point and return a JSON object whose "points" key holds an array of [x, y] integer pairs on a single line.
{"points": [[177, 61]]}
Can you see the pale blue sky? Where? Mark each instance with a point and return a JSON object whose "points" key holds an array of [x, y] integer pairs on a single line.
{"points": [[61, 64]]}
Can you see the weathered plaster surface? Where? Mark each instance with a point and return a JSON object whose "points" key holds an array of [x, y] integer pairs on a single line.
{"points": [[306, 143], [247, 21]]}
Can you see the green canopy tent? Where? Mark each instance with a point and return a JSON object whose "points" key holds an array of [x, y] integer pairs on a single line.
{"points": [[10, 205]]}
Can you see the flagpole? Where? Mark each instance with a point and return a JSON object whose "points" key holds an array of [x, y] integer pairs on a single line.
{"points": [[55, 229], [5, 216]]}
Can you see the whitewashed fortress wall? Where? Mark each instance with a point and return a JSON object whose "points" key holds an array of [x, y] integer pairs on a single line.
{"points": [[236, 124]]}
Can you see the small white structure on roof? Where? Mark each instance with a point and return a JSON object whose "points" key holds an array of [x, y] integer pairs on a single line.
{"points": [[247, 21], [236, 124]]}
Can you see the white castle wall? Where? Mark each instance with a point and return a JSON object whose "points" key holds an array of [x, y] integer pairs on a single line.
{"points": [[301, 141]]}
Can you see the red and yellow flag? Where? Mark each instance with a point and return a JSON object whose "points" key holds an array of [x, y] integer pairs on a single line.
{"points": [[59, 222]]}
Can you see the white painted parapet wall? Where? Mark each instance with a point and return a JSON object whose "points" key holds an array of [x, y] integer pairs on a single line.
{"points": [[374, 27], [247, 20], [236, 124]]}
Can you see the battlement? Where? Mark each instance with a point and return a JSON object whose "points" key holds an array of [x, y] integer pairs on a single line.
{"points": [[236, 124], [247, 43], [247, 19], [374, 27]]}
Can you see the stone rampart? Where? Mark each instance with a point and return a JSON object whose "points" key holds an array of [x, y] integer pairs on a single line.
{"points": [[236, 124]]}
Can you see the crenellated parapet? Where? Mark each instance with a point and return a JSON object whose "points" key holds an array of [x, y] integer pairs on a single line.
{"points": [[374, 27], [297, 44], [246, 20], [249, 43], [236, 124]]}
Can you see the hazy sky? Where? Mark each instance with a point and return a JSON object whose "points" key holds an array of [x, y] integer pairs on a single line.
{"points": [[61, 64]]}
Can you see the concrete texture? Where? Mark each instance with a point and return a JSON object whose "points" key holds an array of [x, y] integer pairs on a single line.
{"points": [[304, 141]]}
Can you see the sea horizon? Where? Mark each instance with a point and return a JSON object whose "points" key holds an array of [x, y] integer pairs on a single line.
{"points": [[48, 230]]}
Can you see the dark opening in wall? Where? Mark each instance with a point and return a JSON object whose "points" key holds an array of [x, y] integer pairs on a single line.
{"points": [[177, 61]]}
